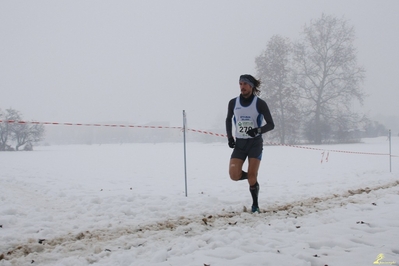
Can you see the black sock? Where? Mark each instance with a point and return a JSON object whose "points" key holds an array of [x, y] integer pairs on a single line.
{"points": [[254, 193], [244, 175]]}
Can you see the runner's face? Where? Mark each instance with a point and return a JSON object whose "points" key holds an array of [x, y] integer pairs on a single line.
{"points": [[246, 89]]}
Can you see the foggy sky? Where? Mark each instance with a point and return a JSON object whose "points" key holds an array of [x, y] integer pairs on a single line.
{"points": [[143, 61]]}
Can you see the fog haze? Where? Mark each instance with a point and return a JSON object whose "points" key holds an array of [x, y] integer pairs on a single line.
{"points": [[145, 61]]}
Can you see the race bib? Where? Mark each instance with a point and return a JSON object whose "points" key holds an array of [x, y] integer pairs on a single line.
{"points": [[243, 127]]}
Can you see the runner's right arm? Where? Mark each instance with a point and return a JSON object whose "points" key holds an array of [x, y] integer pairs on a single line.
{"points": [[230, 114]]}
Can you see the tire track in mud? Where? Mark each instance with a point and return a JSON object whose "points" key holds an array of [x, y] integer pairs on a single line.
{"points": [[72, 243]]}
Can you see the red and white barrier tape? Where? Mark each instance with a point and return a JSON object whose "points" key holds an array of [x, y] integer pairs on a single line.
{"points": [[295, 146], [319, 149], [189, 129], [207, 132], [82, 124]]}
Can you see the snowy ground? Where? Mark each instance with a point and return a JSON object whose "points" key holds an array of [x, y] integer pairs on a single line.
{"points": [[126, 205]]}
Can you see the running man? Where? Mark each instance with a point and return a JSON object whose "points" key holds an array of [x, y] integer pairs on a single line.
{"points": [[248, 112]]}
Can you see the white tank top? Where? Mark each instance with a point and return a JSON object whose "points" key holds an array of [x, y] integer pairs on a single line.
{"points": [[246, 118]]}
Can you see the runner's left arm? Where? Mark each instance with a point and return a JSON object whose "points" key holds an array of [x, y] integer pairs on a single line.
{"points": [[264, 110]]}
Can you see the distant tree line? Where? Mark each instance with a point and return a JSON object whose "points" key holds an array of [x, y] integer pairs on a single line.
{"points": [[13, 136], [311, 85]]}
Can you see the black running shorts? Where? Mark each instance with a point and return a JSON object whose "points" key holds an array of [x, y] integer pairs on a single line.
{"points": [[251, 148]]}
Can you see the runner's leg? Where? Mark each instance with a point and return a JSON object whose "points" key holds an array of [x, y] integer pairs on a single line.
{"points": [[253, 167], [235, 169]]}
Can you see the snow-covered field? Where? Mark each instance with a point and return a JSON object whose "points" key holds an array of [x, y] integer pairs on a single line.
{"points": [[126, 205]]}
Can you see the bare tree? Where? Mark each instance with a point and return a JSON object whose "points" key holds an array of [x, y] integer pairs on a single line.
{"points": [[274, 67], [27, 134], [327, 76], [7, 128], [18, 133]]}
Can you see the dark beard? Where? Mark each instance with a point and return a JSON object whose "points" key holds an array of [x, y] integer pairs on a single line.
{"points": [[246, 95]]}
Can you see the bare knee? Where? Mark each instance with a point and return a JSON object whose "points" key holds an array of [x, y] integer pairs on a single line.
{"points": [[235, 172], [234, 176], [252, 179]]}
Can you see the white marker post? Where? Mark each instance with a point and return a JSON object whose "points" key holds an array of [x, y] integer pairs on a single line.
{"points": [[390, 150], [184, 140]]}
